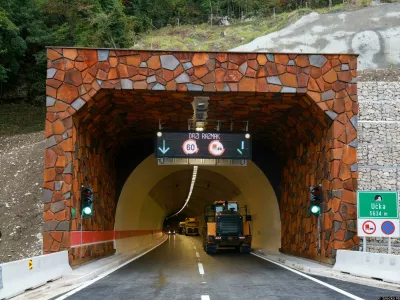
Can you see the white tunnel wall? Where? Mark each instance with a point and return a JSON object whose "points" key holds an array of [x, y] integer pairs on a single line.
{"points": [[136, 210]]}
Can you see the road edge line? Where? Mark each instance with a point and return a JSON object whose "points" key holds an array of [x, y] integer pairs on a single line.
{"points": [[74, 291], [310, 278]]}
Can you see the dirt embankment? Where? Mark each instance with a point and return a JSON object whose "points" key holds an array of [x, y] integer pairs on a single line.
{"points": [[21, 201]]}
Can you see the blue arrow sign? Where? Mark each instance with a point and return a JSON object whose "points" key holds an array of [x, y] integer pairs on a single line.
{"points": [[163, 150]]}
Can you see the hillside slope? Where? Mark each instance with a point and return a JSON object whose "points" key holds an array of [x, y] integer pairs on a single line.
{"points": [[372, 32]]}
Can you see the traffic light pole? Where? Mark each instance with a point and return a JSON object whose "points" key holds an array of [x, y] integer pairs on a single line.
{"points": [[81, 234], [319, 233]]}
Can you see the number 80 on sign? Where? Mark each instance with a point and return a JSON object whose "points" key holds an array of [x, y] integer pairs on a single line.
{"points": [[190, 147]]}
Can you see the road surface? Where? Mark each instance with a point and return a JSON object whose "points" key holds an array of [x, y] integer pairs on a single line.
{"points": [[180, 269]]}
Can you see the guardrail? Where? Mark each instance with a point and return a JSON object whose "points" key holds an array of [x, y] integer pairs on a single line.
{"points": [[372, 265], [19, 276]]}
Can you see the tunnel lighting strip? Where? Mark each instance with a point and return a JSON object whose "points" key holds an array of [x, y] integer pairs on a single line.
{"points": [[194, 175]]}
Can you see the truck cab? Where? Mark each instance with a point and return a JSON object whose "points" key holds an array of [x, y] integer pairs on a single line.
{"points": [[192, 226]]}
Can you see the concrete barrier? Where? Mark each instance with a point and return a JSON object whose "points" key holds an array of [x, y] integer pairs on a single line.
{"points": [[19, 276], [371, 265]]}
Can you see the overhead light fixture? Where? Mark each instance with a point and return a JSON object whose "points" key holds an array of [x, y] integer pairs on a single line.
{"points": [[199, 126], [194, 175]]}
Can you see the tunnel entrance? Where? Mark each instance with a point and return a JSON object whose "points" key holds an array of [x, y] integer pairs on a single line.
{"points": [[102, 109]]}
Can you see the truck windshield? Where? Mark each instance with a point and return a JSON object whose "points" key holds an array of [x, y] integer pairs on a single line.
{"points": [[231, 207], [192, 223]]}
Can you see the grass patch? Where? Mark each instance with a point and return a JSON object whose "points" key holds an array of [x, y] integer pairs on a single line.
{"points": [[21, 118], [203, 37]]}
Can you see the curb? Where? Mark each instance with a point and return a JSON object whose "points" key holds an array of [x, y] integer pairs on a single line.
{"points": [[331, 273], [60, 283]]}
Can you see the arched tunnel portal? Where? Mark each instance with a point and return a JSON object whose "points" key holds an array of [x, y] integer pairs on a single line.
{"points": [[104, 105]]}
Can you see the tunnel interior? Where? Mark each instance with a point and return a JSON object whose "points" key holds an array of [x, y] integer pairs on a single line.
{"points": [[104, 106], [118, 127]]}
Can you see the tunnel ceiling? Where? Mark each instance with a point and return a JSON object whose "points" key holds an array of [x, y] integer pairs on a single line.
{"points": [[281, 121], [171, 192]]}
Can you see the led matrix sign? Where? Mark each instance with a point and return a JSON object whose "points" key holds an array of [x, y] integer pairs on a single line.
{"points": [[192, 144]]}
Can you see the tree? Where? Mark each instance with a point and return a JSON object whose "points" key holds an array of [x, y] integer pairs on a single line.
{"points": [[12, 46]]}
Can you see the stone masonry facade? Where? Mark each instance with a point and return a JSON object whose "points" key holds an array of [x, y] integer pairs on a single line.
{"points": [[379, 136], [306, 105]]}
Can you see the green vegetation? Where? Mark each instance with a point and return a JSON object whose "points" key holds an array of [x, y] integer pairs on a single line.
{"points": [[27, 26], [21, 118], [216, 38]]}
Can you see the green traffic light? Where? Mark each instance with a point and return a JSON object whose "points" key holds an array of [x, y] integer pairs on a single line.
{"points": [[315, 209], [87, 210]]}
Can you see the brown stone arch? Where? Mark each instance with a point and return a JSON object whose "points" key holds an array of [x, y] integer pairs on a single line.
{"points": [[270, 86]]}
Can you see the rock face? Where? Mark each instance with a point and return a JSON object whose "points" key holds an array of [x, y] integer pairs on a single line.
{"points": [[378, 140], [376, 37]]}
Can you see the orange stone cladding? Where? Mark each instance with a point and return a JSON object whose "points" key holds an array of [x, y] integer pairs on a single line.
{"points": [[306, 103]]}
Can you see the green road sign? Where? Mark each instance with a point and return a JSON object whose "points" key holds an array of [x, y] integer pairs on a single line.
{"points": [[378, 205]]}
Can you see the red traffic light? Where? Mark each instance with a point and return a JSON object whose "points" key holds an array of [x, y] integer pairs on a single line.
{"points": [[315, 191], [87, 193]]}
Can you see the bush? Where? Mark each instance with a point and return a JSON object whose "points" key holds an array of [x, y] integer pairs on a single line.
{"points": [[366, 3]]}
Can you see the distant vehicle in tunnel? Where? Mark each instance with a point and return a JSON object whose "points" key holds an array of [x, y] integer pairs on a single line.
{"points": [[181, 229], [170, 230], [192, 226], [226, 227]]}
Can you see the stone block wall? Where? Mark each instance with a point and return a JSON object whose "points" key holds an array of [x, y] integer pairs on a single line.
{"points": [[334, 165], [379, 136]]}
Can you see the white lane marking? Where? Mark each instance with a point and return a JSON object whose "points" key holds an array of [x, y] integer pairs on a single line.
{"points": [[197, 254], [106, 273], [194, 247], [205, 297], [201, 269], [311, 278]]}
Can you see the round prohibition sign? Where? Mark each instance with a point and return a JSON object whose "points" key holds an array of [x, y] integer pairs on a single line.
{"points": [[190, 147], [369, 227], [388, 227], [216, 148]]}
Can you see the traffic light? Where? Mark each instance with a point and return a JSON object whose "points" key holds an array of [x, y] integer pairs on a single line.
{"points": [[86, 202], [315, 199]]}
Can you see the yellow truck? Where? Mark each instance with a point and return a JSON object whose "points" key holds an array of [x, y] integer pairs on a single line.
{"points": [[226, 227], [181, 229], [191, 226]]}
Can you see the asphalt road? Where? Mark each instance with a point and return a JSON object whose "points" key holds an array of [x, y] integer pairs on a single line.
{"points": [[180, 269]]}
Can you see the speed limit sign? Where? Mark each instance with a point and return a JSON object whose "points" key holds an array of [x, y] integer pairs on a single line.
{"points": [[190, 147]]}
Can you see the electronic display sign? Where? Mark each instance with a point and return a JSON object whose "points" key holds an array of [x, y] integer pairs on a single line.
{"points": [[193, 144]]}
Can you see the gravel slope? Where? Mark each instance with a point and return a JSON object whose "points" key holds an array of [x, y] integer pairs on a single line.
{"points": [[21, 205]]}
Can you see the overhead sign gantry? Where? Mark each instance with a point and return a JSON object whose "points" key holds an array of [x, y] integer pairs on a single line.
{"points": [[203, 145]]}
